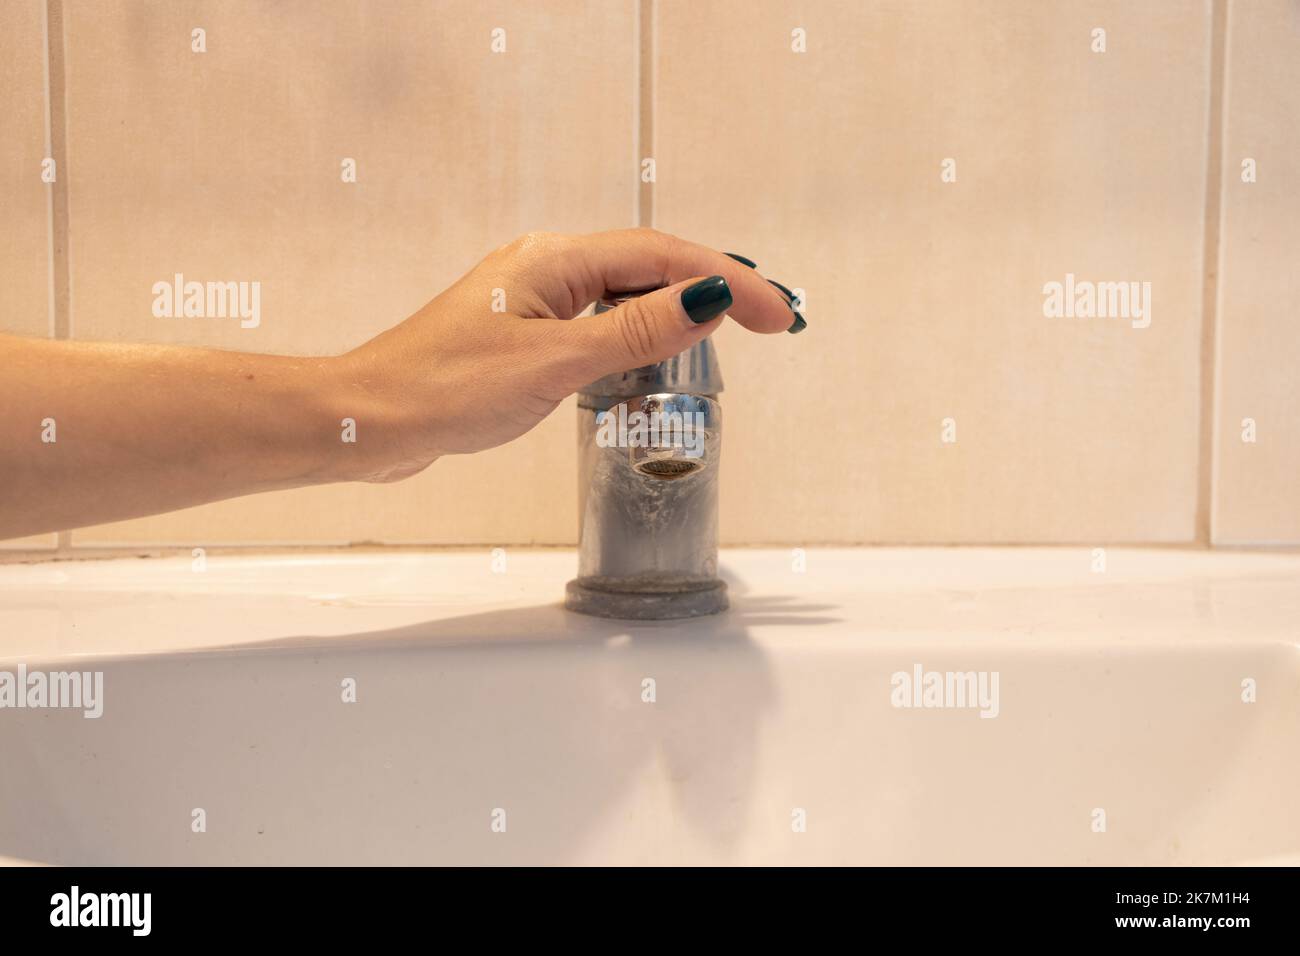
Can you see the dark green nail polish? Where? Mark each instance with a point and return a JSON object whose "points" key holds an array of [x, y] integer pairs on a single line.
{"points": [[800, 323], [707, 299], [743, 261], [788, 294]]}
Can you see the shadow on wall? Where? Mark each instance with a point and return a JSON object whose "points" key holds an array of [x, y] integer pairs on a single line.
{"points": [[532, 711]]}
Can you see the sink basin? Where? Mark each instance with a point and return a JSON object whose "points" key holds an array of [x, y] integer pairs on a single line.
{"points": [[1146, 714]]}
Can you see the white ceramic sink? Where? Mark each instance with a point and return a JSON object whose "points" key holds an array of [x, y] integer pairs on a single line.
{"points": [[1118, 691]]}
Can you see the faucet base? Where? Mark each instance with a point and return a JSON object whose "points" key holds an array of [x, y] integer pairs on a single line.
{"points": [[652, 598]]}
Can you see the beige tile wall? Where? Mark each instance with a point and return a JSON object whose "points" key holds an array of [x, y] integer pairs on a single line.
{"points": [[24, 202], [226, 164], [24, 239], [925, 298], [1257, 484]]}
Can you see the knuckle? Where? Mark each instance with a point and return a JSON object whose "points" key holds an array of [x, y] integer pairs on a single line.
{"points": [[536, 243], [636, 329], [666, 242]]}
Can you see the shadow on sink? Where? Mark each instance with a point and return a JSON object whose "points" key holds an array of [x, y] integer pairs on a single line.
{"points": [[600, 740], [545, 623]]}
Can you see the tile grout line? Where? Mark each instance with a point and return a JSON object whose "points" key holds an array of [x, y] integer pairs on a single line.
{"points": [[56, 129], [49, 193], [56, 69], [636, 109], [1206, 466], [645, 108]]}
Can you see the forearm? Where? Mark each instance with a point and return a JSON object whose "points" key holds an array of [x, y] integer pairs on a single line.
{"points": [[95, 432]]}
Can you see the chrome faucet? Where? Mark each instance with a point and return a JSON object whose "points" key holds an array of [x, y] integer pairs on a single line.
{"points": [[649, 443]]}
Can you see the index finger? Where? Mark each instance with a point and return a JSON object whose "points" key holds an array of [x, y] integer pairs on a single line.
{"points": [[637, 259]]}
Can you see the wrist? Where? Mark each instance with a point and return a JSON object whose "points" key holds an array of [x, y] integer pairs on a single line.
{"points": [[369, 433]]}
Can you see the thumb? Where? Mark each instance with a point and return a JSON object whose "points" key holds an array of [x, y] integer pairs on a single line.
{"points": [[646, 329]]}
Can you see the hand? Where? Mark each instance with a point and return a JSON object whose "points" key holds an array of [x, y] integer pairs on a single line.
{"points": [[462, 375], [96, 432]]}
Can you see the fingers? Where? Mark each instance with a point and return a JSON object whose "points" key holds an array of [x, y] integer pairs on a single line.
{"points": [[629, 259], [640, 331]]}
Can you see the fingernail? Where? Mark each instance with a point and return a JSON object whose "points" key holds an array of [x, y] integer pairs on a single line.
{"points": [[743, 261], [800, 323], [707, 299], [788, 294]]}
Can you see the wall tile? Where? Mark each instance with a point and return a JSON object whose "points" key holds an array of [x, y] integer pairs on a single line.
{"points": [[925, 299], [35, 542], [1257, 484], [226, 165], [24, 239], [522, 493]]}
